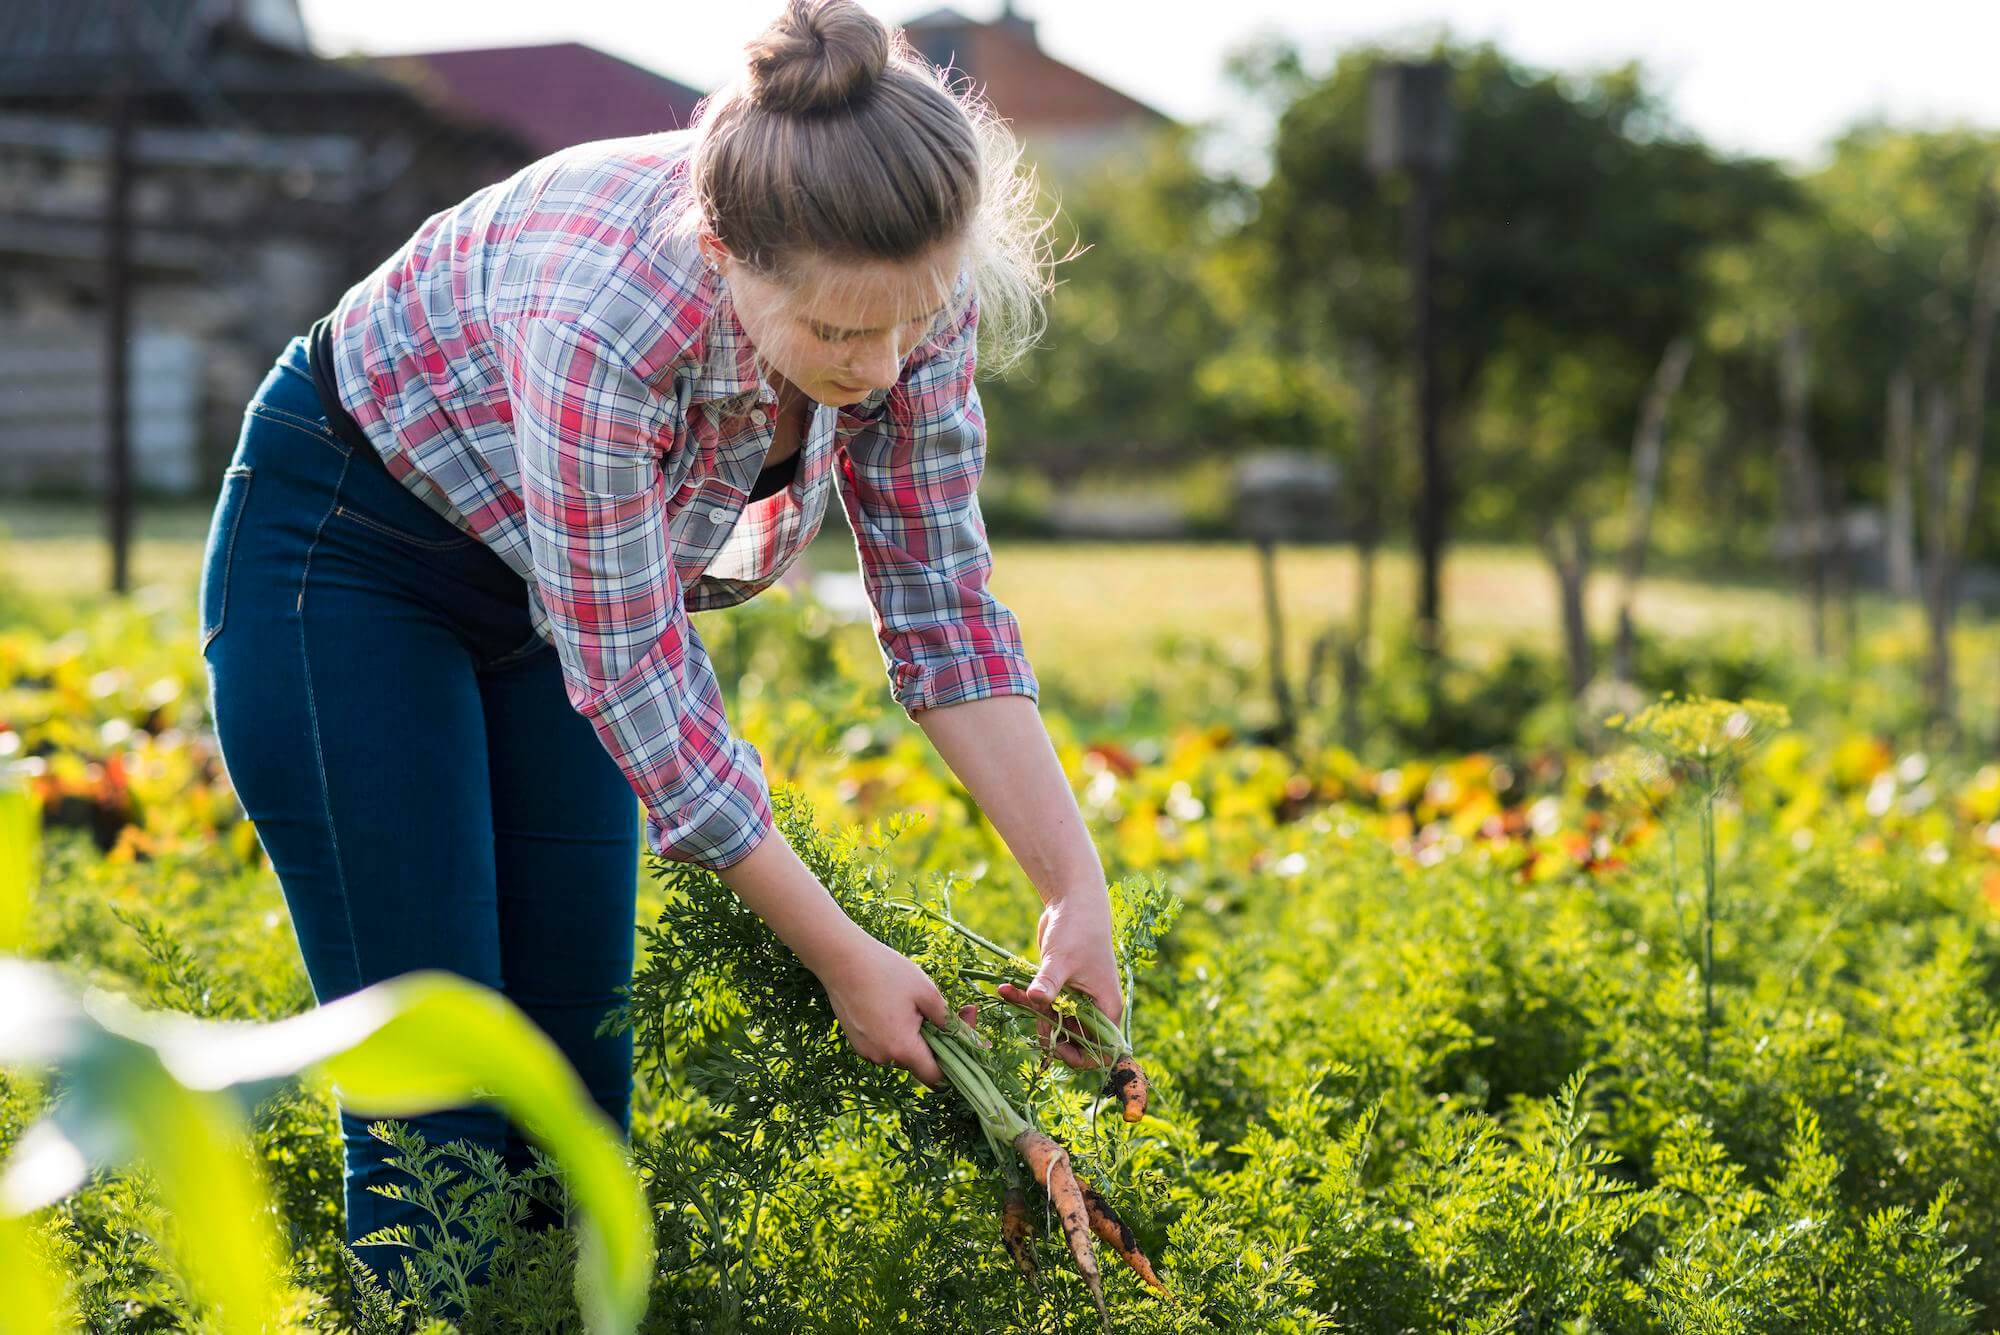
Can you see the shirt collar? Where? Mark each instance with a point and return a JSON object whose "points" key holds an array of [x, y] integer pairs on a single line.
{"points": [[728, 362]]}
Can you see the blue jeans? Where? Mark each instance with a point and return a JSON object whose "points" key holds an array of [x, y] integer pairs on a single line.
{"points": [[403, 742]]}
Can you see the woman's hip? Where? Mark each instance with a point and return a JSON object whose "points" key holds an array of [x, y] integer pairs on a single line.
{"points": [[303, 518]]}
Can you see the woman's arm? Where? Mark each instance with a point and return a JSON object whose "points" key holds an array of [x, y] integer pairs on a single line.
{"points": [[1000, 751], [955, 658], [634, 665], [589, 432], [880, 996]]}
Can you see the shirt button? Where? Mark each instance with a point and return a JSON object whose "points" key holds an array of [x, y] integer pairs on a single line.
{"points": [[718, 514], [759, 417]]}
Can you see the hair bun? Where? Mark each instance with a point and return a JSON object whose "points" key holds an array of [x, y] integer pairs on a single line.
{"points": [[817, 56]]}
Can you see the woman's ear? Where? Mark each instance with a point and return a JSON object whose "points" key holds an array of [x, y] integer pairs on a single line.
{"points": [[712, 249]]}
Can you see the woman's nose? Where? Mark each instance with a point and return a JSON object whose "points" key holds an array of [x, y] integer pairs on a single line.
{"points": [[880, 367]]}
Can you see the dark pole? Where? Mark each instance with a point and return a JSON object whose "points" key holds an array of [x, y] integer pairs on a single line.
{"points": [[1287, 726], [1412, 132], [1433, 501], [118, 317]]}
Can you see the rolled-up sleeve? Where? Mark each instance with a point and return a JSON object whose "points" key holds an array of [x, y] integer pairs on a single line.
{"points": [[909, 484], [589, 433]]}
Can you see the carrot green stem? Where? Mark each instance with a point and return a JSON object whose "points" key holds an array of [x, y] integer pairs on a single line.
{"points": [[969, 1077], [993, 948], [1020, 973]]}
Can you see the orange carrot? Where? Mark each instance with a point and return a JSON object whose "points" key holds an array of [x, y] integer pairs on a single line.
{"points": [[1127, 1083], [1050, 1163], [1104, 1221], [1017, 1228]]}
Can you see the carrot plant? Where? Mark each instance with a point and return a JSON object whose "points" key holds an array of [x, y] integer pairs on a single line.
{"points": [[741, 1036], [1082, 1021]]}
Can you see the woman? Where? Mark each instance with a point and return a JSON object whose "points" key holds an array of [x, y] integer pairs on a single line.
{"points": [[446, 594]]}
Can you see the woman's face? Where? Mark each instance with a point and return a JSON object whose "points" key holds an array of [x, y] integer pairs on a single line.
{"points": [[845, 329]]}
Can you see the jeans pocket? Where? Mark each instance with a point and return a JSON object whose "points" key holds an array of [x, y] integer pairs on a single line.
{"points": [[221, 549], [402, 535]]}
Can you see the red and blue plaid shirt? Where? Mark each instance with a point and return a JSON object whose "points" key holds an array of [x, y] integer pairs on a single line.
{"points": [[552, 369]]}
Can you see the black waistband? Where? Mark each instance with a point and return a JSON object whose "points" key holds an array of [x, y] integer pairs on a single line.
{"points": [[319, 356]]}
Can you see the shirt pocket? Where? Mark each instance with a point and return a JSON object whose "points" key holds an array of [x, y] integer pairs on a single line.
{"points": [[701, 516]]}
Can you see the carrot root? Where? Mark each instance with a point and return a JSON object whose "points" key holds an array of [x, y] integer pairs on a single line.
{"points": [[1127, 1083], [1050, 1163], [1017, 1227], [1117, 1235]]}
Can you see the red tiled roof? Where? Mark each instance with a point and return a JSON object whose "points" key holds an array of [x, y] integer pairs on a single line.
{"points": [[1035, 90], [549, 96]]}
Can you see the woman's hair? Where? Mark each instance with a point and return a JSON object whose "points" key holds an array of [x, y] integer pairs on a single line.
{"points": [[838, 142]]}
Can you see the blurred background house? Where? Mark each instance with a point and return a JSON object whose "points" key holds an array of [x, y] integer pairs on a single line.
{"points": [[1068, 122], [193, 174]]}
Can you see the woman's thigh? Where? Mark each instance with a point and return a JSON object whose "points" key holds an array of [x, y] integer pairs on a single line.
{"points": [[566, 843]]}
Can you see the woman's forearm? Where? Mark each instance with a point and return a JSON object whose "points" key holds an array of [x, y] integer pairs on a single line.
{"points": [[1000, 750], [782, 891]]}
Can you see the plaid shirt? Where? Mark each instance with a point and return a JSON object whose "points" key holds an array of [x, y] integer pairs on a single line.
{"points": [[551, 370]]}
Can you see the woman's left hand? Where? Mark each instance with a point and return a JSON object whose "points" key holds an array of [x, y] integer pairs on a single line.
{"points": [[1074, 936]]}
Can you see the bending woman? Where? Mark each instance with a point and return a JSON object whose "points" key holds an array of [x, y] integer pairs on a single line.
{"points": [[445, 603]]}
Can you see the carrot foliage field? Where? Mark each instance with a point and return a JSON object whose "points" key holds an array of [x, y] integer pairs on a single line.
{"points": [[1682, 1021]]}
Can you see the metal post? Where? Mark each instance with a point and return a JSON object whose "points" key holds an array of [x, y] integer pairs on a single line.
{"points": [[1411, 131], [118, 319], [1433, 502], [1287, 725]]}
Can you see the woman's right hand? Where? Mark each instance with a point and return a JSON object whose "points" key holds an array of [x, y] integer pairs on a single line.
{"points": [[879, 995], [882, 999]]}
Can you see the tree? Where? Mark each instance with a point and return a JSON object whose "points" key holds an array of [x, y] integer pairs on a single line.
{"points": [[1879, 279], [1132, 323], [1572, 243]]}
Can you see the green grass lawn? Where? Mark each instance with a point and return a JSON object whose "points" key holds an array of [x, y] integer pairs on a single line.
{"points": [[1091, 608]]}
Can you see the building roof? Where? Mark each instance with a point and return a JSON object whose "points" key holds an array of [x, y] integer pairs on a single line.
{"points": [[1030, 88], [550, 96]]}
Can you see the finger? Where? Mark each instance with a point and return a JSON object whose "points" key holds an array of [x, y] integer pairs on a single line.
{"points": [[1015, 995], [933, 1007], [1107, 1000], [969, 1013], [1075, 1056], [922, 1064], [1047, 982]]}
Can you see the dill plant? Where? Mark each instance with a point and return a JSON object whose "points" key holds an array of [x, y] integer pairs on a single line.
{"points": [[1693, 748]]}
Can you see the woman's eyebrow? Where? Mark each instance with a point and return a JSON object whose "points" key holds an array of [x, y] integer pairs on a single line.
{"points": [[833, 329]]}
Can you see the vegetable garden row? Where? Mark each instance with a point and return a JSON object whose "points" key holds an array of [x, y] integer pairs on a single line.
{"points": [[1693, 1033]]}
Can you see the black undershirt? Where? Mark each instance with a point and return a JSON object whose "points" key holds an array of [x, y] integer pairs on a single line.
{"points": [[776, 477], [319, 355]]}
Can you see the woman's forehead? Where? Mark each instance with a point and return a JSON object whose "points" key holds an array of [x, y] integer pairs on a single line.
{"points": [[877, 294]]}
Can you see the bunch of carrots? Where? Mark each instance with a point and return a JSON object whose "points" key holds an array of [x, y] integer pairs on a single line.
{"points": [[962, 1055]]}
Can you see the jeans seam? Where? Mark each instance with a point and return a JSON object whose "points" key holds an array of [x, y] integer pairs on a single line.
{"points": [[432, 544], [319, 749], [283, 417]]}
